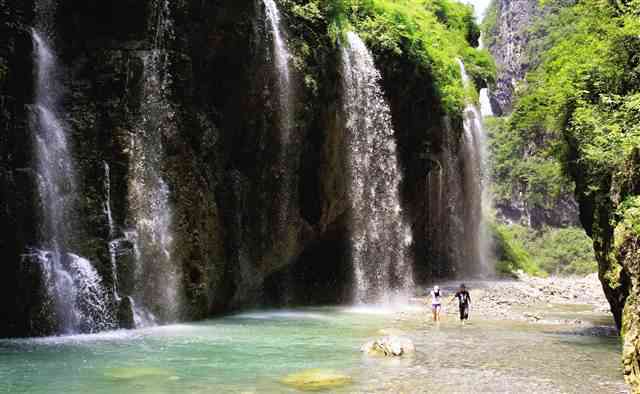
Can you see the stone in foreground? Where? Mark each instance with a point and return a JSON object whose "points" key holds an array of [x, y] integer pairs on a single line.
{"points": [[316, 380], [389, 346]]}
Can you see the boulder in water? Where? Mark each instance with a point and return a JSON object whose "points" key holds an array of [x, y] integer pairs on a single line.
{"points": [[389, 346], [316, 380]]}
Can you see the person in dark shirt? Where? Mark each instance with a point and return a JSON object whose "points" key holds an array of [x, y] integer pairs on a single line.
{"points": [[464, 300]]}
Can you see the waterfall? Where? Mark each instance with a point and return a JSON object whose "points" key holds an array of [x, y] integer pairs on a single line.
{"points": [[281, 56], [485, 103], [477, 199], [380, 239], [284, 211], [157, 274], [73, 286]]}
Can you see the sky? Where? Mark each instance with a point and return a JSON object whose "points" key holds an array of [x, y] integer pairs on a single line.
{"points": [[480, 7]]}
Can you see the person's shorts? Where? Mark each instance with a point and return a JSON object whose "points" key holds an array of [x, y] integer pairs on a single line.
{"points": [[464, 312], [436, 307]]}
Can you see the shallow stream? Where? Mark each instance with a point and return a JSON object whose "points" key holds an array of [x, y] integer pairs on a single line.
{"points": [[252, 352]]}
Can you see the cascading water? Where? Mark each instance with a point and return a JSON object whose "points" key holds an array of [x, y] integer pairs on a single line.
{"points": [[379, 236], [284, 209], [113, 243], [74, 287], [281, 56], [485, 103], [157, 275], [477, 200]]}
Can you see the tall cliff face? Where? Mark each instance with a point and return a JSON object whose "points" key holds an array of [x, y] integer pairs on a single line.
{"points": [[610, 220], [204, 93], [514, 34], [581, 107], [508, 42]]}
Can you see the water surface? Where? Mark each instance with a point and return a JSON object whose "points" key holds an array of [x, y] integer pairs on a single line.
{"points": [[251, 352]]}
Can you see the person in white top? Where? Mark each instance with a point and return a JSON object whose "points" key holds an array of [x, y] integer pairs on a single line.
{"points": [[436, 304]]}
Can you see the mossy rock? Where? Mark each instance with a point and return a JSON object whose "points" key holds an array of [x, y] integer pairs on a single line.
{"points": [[316, 380], [131, 373]]}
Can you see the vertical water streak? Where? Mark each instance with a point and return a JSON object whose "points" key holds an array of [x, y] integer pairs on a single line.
{"points": [[107, 200], [113, 243], [157, 275], [72, 283], [281, 55], [485, 103], [380, 239], [286, 160], [477, 196], [56, 174]]}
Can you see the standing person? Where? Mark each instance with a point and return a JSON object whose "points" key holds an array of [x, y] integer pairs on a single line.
{"points": [[464, 300], [436, 304]]}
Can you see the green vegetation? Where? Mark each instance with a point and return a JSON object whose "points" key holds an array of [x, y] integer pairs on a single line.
{"points": [[527, 157], [489, 25], [579, 108], [551, 251], [430, 33], [526, 161], [587, 86], [511, 253], [629, 220]]}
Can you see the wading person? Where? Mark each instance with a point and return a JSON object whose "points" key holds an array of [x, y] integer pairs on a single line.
{"points": [[436, 304], [464, 300]]}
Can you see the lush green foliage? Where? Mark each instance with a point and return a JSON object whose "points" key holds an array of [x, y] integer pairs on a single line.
{"points": [[431, 33], [587, 87], [629, 219], [525, 157], [583, 88], [511, 253], [489, 25], [551, 251]]}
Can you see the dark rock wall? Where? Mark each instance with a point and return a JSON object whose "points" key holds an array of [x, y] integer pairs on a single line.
{"points": [[227, 170], [17, 201]]}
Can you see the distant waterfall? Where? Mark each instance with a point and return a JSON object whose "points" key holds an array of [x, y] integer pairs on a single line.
{"points": [[477, 199], [80, 303], [485, 103], [157, 274], [380, 237]]}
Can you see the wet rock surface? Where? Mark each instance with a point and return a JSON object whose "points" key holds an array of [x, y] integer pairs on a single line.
{"points": [[253, 220]]}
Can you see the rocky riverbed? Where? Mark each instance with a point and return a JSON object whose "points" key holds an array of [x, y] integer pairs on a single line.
{"points": [[577, 302]]}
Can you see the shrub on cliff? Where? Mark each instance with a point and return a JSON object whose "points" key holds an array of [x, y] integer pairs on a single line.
{"points": [[430, 33]]}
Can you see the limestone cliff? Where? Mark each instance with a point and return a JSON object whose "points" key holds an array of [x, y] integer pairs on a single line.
{"points": [[514, 34], [213, 109]]}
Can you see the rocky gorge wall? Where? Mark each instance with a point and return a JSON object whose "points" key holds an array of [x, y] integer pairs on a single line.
{"points": [[226, 170], [616, 243], [514, 34], [606, 191]]}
